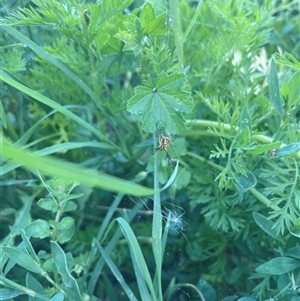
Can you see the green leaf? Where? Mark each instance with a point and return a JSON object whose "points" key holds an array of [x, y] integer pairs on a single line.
{"points": [[65, 229], [152, 25], [284, 90], [62, 268], [23, 259], [39, 229], [35, 286], [208, 292], [29, 247], [48, 204], [106, 9], [183, 179], [296, 229], [8, 294], [162, 104], [274, 89], [2, 115], [265, 224], [289, 60], [294, 89], [278, 266], [294, 251], [138, 30], [58, 297], [70, 205], [264, 148], [245, 182], [288, 149], [49, 265], [245, 119], [133, 36], [23, 217]]}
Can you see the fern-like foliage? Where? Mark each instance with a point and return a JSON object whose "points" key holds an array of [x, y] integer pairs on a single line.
{"points": [[283, 189], [79, 21]]}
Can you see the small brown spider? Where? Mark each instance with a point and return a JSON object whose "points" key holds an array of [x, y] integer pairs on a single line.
{"points": [[164, 143]]}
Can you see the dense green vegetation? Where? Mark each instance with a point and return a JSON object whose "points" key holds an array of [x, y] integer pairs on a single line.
{"points": [[150, 150]]}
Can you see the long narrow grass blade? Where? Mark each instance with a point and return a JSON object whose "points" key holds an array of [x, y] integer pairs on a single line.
{"points": [[54, 167], [55, 149], [137, 253], [157, 232], [165, 236], [172, 178], [101, 262], [177, 30], [193, 21], [41, 52], [104, 226], [144, 292], [116, 273], [23, 140], [49, 102]]}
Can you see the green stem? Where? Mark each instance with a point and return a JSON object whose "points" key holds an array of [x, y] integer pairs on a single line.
{"points": [[157, 227], [218, 125]]}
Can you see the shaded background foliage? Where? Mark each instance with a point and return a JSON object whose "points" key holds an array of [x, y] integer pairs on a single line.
{"points": [[238, 205]]}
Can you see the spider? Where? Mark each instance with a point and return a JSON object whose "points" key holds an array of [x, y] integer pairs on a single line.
{"points": [[164, 143]]}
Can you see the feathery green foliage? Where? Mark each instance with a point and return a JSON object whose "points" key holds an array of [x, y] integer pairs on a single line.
{"points": [[117, 92]]}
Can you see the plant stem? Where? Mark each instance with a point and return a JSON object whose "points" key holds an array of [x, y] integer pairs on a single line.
{"points": [[227, 127]]}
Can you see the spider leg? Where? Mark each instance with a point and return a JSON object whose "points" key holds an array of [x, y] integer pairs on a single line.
{"points": [[169, 157], [156, 149], [171, 142]]}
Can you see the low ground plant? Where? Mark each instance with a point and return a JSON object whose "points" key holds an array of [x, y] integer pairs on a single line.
{"points": [[150, 150]]}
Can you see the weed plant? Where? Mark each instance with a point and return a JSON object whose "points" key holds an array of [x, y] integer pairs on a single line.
{"points": [[150, 150]]}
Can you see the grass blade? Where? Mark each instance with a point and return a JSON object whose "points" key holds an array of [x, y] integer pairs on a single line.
{"points": [[52, 104], [54, 167], [41, 52], [116, 272], [137, 254]]}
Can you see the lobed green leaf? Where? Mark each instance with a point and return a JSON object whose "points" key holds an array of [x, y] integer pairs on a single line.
{"points": [[152, 25], [162, 104]]}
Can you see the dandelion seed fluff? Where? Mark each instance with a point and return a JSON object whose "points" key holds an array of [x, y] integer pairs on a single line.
{"points": [[177, 224]]}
